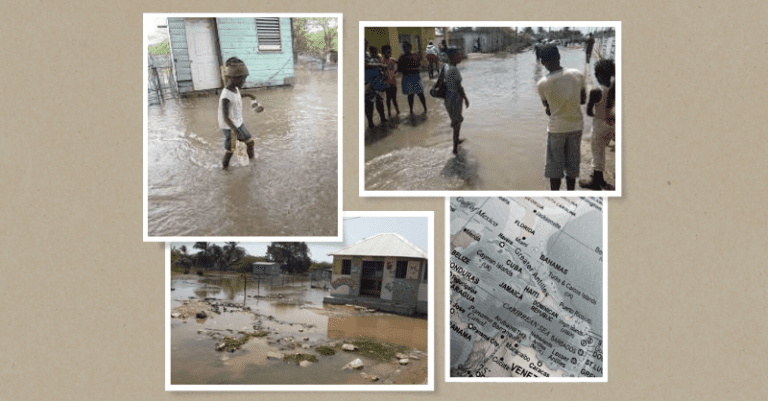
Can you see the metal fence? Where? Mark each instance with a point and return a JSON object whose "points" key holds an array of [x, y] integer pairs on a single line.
{"points": [[161, 81]]}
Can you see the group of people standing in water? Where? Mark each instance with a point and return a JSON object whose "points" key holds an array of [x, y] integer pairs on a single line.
{"points": [[381, 72], [562, 91]]}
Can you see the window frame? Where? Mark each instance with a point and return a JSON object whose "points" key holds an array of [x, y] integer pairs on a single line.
{"points": [[267, 31], [404, 271], [348, 263]]}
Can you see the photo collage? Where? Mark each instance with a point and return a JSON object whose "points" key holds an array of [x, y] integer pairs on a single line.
{"points": [[273, 283]]}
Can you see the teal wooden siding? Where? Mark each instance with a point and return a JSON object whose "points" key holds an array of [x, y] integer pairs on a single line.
{"points": [[180, 54], [238, 38]]}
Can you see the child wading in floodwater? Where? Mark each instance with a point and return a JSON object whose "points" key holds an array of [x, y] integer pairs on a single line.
{"points": [[231, 109], [563, 92], [600, 106], [454, 95]]}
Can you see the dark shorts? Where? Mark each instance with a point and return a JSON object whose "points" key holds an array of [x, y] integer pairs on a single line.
{"points": [[391, 91], [563, 155], [242, 135]]}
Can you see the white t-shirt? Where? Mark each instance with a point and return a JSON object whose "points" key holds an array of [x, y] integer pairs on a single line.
{"points": [[562, 91], [235, 108]]}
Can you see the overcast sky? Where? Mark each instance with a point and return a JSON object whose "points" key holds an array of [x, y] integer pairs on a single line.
{"points": [[414, 229]]}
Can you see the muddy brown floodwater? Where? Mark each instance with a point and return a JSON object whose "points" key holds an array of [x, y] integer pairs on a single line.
{"points": [[295, 321], [505, 132], [289, 189]]}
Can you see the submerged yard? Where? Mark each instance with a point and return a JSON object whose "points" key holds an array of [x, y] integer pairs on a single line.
{"points": [[283, 334]]}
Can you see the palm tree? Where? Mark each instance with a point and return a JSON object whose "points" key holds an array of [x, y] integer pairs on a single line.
{"points": [[184, 260], [204, 257], [217, 257], [232, 254]]}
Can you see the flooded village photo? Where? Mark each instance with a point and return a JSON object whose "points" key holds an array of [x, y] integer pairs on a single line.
{"points": [[242, 129], [488, 129], [353, 313]]}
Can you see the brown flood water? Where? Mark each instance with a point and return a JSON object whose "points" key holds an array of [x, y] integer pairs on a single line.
{"points": [[289, 189], [505, 132], [285, 311]]}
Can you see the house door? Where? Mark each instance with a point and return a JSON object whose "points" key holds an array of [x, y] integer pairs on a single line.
{"points": [[202, 53], [370, 279]]}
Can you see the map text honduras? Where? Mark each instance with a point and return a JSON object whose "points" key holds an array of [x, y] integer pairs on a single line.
{"points": [[526, 287]]}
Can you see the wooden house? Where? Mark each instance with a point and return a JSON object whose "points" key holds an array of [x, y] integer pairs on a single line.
{"points": [[201, 46]]}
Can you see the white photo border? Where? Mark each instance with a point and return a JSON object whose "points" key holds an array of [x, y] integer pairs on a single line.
{"points": [[430, 386], [447, 307], [418, 193], [339, 179]]}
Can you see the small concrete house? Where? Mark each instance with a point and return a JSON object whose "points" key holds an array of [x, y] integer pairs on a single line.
{"points": [[266, 269], [385, 272], [201, 46]]}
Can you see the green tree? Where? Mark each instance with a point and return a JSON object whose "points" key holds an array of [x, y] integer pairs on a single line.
{"points": [[231, 254], [181, 259], [206, 257], [315, 36], [161, 48], [295, 255]]}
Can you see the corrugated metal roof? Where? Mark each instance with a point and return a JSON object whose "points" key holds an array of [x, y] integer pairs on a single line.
{"points": [[385, 244]]}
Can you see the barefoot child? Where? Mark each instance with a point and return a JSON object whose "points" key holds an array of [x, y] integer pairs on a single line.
{"points": [[600, 106], [454, 95], [231, 109], [563, 92]]}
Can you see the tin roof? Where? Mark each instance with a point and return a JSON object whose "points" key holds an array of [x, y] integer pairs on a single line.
{"points": [[264, 263], [384, 244]]}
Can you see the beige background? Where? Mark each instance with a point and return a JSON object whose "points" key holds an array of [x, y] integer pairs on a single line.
{"points": [[82, 317]]}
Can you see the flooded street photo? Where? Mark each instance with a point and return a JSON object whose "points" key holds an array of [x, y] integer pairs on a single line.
{"points": [[290, 187], [279, 320], [504, 129]]}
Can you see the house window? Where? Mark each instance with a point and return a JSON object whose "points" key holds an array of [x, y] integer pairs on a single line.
{"points": [[424, 274], [268, 32], [346, 267], [402, 269]]}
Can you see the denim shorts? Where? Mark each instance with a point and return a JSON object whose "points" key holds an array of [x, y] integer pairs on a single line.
{"points": [[242, 135], [563, 155]]}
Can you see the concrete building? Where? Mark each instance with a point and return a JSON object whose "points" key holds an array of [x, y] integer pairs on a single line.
{"points": [[384, 272], [201, 46], [482, 40], [419, 38]]}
